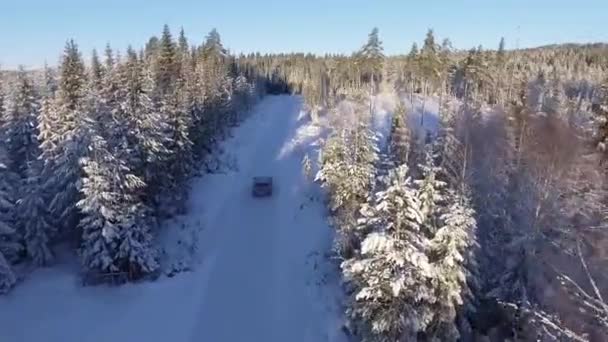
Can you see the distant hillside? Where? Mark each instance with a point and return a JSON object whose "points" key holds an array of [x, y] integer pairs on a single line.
{"points": [[591, 46]]}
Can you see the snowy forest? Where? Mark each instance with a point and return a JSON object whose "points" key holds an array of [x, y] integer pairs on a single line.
{"points": [[479, 214], [96, 155]]}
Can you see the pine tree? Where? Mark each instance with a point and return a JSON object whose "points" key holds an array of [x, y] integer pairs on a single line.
{"points": [[347, 166], [213, 45], [146, 126], [178, 110], [242, 90], [21, 126], [34, 220], [390, 276], [100, 232], [10, 247], [166, 66], [47, 120], [62, 172], [174, 100], [372, 58], [429, 64], [451, 256], [183, 43], [430, 191], [96, 73], [116, 234], [412, 69], [399, 143], [110, 60], [501, 53]]}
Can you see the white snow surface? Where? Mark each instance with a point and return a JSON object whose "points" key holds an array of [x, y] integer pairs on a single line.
{"points": [[259, 266]]}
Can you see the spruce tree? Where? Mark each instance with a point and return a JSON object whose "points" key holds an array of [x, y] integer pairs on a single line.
{"points": [[501, 53], [399, 143], [99, 206], [116, 233], [10, 247], [182, 43], [213, 45], [96, 73], [34, 221], [372, 57], [430, 191], [69, 134], [47, 120], [429, 63], [166, 65], [21, 125], [391, 274], [451, 256], [147, 127]]}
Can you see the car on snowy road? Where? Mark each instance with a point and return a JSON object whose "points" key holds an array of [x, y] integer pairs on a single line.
{"points": [[262, 187]]}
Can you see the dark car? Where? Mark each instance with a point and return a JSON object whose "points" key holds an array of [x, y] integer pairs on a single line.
{"points": [[262, 186]]}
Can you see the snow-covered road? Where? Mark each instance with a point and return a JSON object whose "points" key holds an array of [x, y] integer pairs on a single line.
{"points": [[259, 268]]}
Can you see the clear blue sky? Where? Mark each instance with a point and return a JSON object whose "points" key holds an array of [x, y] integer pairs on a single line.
{"points": [[33, 31]]}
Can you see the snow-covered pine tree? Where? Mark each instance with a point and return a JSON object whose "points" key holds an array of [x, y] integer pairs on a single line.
{"points": [[213, 45], [47, 120], [391, 275], [180, 112], [110, 115], [399, 140], [242, 99], [136, 252], [166, 66], [146, 126], [99, 89], [214, 78], [451, 255], [347, 170], [100, 231], [429, 65], [21, 125], [347, 166], [372, 58], [62, 172], [96, 74], [182, 43], [10, 247], [173, 100], [430, 191], [116, 233], [34, 221]]}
